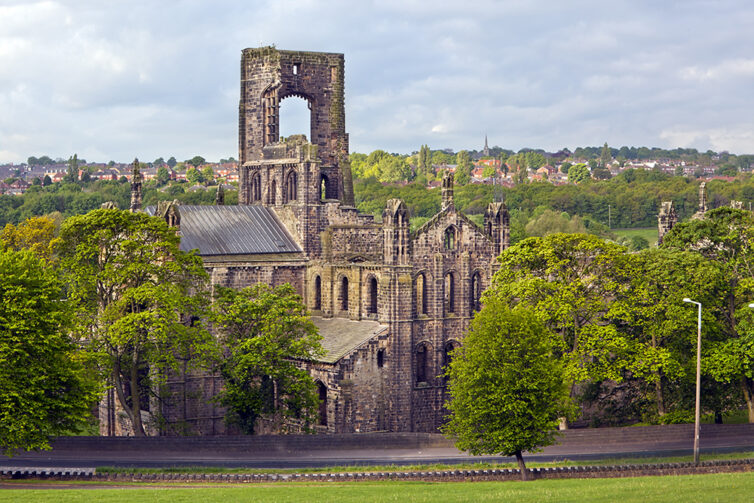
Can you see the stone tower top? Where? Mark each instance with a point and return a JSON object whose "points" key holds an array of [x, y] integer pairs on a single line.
{"points": [[268, 76], [447, 190]]}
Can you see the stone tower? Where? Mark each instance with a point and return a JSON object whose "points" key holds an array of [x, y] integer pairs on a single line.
{"points": [[447, 190], [702, 202], [666, 220], [135, 186], [497, 226], [269, 76]]}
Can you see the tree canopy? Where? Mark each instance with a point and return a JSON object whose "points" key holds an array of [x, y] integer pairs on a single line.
{"points": [[266, 332], [45, 388], [138, 302], [506, 385]]}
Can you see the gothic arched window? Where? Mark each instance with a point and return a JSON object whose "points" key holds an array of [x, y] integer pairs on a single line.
{"points": [[291, 187], [450, 238], [372, 295], [318, 293], [450, 293], [323, 187], [256, 187], [447, 355], [422, 363], [476, 292], [344, 294], [421, 294]]}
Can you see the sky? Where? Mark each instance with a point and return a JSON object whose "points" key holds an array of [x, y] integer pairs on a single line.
{"points": [[116, 80]]}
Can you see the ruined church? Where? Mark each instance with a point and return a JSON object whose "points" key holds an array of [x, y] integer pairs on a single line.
{"points": [[390, 304]]}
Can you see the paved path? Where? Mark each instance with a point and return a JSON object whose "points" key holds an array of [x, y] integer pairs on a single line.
{"points": [[299, 452]]}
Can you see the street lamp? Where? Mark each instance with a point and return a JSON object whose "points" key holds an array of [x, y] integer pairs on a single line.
{"points": [[698, 378]]}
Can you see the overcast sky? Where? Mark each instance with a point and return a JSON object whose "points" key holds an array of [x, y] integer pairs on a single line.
{"points": [[149, 79]]}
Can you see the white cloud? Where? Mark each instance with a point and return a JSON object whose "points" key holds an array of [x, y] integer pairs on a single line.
{"points": [[149, 79], [730, 69]]}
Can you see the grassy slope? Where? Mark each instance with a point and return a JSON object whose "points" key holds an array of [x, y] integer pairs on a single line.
{"points": [[685, 489], [648, 233]]}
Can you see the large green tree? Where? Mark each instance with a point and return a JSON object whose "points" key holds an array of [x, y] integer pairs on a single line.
{"points": [[726, 236], [652, 313], [267, 333], [44, 386], [506, 385], [571, 281], [138, 301]]}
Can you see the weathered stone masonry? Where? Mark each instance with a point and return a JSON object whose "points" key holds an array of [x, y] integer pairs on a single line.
{"points": [[390, 304]]}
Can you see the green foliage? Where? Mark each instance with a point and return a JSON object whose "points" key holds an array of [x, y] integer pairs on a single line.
{"points": [[606, 155], [569, 280], [72, 175], [35, 234], [208, 174], [44, 387], [726, 237], [529, 160], [382, 166], [195, 161], [163, 175], [551, 222], [138, 301], [266, 330], [194, 176], [499, 405], [653, 314], [578, 173], [463, 168], [425, 159]]}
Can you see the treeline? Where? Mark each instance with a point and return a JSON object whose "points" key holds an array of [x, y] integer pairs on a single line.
{"points": [[622, 325], [629, 200], [68, 199]]}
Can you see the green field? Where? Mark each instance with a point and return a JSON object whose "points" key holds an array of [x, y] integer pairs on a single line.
{"points": [[648, 233], [726, 487]]}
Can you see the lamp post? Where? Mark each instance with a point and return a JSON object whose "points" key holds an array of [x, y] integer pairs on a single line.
{"points": [[698, 379]]}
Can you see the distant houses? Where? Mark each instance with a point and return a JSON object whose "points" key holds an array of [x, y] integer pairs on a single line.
{"points": [[22, 176]]}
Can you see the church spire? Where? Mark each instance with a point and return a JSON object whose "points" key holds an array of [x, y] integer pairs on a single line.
{"points": [[486, 151]]}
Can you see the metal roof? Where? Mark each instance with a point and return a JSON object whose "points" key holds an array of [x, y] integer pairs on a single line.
{"points": [[341, 336], [232, 230]]}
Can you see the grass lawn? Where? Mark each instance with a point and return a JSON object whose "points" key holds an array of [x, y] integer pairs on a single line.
{"points": [[648, 233], [686, 489]]}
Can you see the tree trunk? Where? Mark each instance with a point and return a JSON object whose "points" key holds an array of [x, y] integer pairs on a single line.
{"points": [[659, 396], [118, 385], [563, 421], [522, 466], [135, 398], [746, 388]]}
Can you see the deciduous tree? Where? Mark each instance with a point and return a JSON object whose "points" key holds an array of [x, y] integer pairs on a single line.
{"points": [[266, 332], [44, 387], [138, 302], [506, 385]]}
